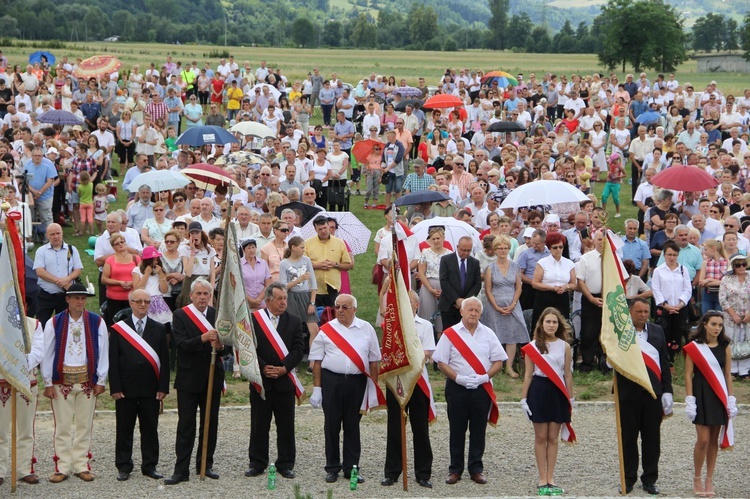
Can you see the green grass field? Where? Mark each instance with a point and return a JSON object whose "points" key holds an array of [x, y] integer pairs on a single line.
{"points": [[350, 65]]}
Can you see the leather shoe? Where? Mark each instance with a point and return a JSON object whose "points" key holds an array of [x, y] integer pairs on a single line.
{"points": [[251, 472], [423, 482], [387, 482], [287, 473], [30, 479], [175, 479], [628, 489], [479, 478], [58, 477], [332, 477], [123, 476], [651, 489], [86, 476], [210, 473], [452, 478], [360, 478], [153, 474]]}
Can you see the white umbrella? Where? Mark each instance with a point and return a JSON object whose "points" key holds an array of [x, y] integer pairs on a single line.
{"points": [[160, 180], [273, 92], [351, 230], [543, 192], [454, 230], [253, 128]]}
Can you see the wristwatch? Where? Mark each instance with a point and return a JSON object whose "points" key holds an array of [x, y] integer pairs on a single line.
{"points": [[336, 265]]}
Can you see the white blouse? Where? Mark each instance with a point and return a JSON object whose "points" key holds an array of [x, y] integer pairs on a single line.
{"points": [[556, 273]]}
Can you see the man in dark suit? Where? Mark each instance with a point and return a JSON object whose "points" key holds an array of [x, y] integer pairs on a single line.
{"points": [[195, 336], [639, 411], [271, 325], [460, 278], [138, 381]]}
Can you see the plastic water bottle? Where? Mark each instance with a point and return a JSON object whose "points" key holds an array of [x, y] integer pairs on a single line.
{"points": [[353, 478], [272, 477]]}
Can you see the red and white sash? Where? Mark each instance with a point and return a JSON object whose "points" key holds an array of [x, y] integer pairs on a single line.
{"points": [[650, 357], [374, 397], [198, 318], [424, 384], [280, 348], [700, 354], [567, 434], [139, 344], [468, 354]]}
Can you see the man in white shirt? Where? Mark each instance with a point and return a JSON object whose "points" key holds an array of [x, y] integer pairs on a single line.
{"points": [[244, 227], [103, 135], [576, 104], [206, 218], [589, 274]]}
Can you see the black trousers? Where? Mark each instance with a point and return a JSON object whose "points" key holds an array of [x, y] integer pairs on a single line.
{"points": [[674, 326], [591, 326], [48, 304], [419, 411], [450, 317], [466, 409], [279, 405], [146, 409], [528, 294], [342, 398], [635, 176], [642, 415], [187, 405], [328, 299]]}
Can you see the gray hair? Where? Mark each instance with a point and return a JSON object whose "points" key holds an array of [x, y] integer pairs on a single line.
{"points": [[699, 215], [201, 281], [344, 295], [472, 299], [585, 214], [293, 192], [288, 210], [413, 295], [681, 228], [664, 194], [632, 221], [269, 290]]}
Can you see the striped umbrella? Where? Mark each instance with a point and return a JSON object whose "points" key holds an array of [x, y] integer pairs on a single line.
{"points": [[209, 177]]}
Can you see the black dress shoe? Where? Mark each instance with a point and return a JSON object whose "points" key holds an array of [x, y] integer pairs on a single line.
{"points": [[123, 476], [175, 479], [153, 474], [651, 489], [423, 482], [628, 489], [210, 473], [387, 482], [251, 472], [360, 478], [287, 473], [332, 477]]}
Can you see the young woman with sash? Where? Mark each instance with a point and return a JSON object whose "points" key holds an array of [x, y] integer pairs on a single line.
{"points": [[547, 394], [709, 402]]}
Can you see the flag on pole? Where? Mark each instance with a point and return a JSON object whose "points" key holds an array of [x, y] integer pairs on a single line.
{"points": [[15, 342], [403, 356], [618, 334], [402, 232], [233, 321]]}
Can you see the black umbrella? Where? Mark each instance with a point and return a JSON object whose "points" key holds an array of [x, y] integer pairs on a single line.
{"points": [[506, 126], [401, 105], [420, 197], [308, 212]]}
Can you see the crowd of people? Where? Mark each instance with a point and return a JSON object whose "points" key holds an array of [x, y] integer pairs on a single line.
{"points": [[538, 269]]}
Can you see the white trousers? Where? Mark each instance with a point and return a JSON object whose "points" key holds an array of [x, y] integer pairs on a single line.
{"points": [[73, 405], [26, 410]]}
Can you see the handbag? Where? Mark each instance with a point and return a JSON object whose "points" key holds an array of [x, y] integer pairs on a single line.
{"points": [[387, 176], [377, 274], [741, 349]]}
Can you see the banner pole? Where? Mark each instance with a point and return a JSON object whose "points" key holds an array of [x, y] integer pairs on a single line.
{"points": [[403, 450], [13, 441], [207, 423], [619, 434]]}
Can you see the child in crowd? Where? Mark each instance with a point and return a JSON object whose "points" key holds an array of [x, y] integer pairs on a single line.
{"points": [[100, 207], [615, 174], [86, 204]]}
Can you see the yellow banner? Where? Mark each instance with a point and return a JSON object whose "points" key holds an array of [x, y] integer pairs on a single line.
{"points": [[618, 335], [403, 381]]}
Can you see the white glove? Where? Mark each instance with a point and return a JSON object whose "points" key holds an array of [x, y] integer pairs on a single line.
{"points": [[666, 403], [472, 382], [463, 380], [484, 378], [525, 407], [731, 406], [691, 409], [572, 402], [317, 397]]}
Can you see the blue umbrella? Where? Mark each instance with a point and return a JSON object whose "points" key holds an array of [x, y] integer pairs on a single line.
{"points": [[37, 57], [408, 92], [205, 135], [59, 117]]}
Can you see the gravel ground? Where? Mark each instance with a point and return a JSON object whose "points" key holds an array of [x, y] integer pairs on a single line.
{"points": [[587, 469]]}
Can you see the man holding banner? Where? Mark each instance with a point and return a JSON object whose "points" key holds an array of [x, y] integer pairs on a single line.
{"points": [[641, 413], [469, 354], [138, 381], [280, 346]]}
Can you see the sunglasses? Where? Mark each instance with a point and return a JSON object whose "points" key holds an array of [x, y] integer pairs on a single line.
{"points": [[557, 246], [171, 241], [283, 230], [741, 264]]}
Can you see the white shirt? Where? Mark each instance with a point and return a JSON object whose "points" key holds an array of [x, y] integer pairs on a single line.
{"points": [[75, 349], [574, 243], [556, 273], [488, 349], [247, 232], [671, 286], [589, 270], [104, 248], [360, 335]]}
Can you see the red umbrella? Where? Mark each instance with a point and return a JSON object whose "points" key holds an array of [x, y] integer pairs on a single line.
{"points": [[442, 101], [208, 177], [364, 148], [684, 178], [98, 65]]}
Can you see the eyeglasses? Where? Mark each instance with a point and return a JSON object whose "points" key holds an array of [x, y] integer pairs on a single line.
{"points": [[141, 302], [343, 307], [171, 241], [158, 210], [179, 200], [118, 243], [309, 194], [265, 174], [726, 226], [737, 265]]}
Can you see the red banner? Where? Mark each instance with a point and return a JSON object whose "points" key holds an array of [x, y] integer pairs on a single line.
{"points": [[393, 347], [18, 250]]}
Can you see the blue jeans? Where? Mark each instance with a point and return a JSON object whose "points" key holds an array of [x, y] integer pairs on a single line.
{"points": [[395, 184], [709, 301]]}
